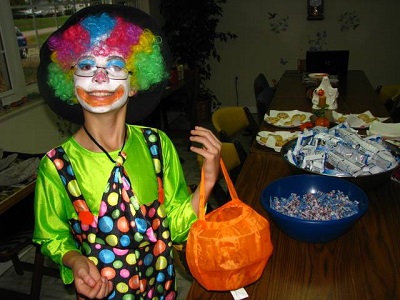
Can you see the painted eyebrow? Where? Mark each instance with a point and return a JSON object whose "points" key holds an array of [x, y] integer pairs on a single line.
{"points": [[116, 61], [87, 61]]}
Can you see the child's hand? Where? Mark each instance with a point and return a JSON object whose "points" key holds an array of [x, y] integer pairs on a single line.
{"points": [[210, 151], [87, 278]]}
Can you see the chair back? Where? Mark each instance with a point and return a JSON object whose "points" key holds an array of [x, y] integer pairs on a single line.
{"points": [[393, 107], [263, 101], [229, 155], [231, 120], [260, 83], [386, 92], [390, 96]]}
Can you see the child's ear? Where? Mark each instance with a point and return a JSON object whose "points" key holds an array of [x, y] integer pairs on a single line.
{"points": [[132, 92]]}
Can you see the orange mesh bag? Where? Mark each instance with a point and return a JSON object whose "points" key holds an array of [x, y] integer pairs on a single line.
{"points": [[228, 248]]}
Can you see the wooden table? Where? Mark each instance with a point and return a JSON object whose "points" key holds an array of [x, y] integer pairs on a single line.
{"points": [[14, 194], [362, 264], [11, 198], [356, 94]]}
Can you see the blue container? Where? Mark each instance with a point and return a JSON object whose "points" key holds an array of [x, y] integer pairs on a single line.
{"points": [[312, 231]]}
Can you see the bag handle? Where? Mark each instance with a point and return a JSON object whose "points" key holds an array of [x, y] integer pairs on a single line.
{"points": [[231, 189]]}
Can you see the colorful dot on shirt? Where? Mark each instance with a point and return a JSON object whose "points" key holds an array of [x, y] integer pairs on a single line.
{"points": [[112, 240], [134, 282], [154, 150], [148, 259], [58, 163], [149, 271], [117, 264], [123, 224], [131, 259], [159, 247], [161, 263], [141, 225], [124, 273], [138, 237], [108, 272], [93, 259], [106, 256], [120, 252], [152, 212], [157, 165], [106, 224], [155, 224], [122, 206], [122, 287], [160, 277], [70, 170], [112, 199], [103, 209], [153, 138], [125, 240], [91, 238], [73, 188], [115, 214]]}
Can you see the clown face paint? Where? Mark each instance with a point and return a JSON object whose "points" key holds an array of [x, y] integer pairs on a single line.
{"points": [[95, 90]]}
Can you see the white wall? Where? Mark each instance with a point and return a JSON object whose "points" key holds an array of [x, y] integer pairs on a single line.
{"points": [[374, 45]]}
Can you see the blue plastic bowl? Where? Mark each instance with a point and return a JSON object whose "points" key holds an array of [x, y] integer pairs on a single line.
{"points": [[312, 231]]}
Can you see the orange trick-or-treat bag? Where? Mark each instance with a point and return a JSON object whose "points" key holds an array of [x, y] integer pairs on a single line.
{"points": [[228, 248]]}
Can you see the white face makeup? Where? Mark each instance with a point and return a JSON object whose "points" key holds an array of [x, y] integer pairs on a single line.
{"points": [[98, 84]]}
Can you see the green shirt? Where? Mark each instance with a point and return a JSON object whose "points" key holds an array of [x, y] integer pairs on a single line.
{"points": [[53, 207]]}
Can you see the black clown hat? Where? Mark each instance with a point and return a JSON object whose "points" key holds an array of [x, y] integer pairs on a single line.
{"points": [[142, 103]]}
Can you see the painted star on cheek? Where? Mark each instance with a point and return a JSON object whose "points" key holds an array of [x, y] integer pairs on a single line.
{"points": [[100, 97]]}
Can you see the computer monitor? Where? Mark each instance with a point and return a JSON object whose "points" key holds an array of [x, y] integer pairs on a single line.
{"points": [[333, 62]]}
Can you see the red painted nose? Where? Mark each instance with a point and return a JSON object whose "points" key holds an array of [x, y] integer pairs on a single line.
{"points": [[100, 76]]}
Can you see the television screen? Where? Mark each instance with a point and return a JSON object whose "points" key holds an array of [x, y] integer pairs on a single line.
{"points": [[334, 62]]}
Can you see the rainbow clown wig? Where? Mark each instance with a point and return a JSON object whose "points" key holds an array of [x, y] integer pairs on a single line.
{"points": [[102, 30]]}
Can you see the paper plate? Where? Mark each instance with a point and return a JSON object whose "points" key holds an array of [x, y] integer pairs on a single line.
{"points": [[275, 139], [386, 130], [357, 121], [287, 119], [317, 75]]}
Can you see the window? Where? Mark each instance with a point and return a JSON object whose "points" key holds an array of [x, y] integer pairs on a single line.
{"points": [[24, 26]]}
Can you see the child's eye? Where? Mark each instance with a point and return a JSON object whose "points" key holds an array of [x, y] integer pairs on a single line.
{"points": [[85, 67]]}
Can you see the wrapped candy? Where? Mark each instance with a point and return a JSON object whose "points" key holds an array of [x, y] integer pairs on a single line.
{"points": [[340, 151]]}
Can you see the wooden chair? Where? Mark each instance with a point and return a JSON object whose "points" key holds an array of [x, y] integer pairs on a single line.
{"points": [[263, 101], [386, 92], [16, 236], [10, 249], [394, 109], [260, 83], [390, 96], [232, 120]]}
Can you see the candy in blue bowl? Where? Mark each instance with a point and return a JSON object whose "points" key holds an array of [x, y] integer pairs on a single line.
{"points": [[314, 208]]}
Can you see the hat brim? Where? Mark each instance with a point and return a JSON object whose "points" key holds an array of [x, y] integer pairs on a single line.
{"points": [[140, 105]]}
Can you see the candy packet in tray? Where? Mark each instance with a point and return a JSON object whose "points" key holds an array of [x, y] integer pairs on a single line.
{"points": [[340, 151]]}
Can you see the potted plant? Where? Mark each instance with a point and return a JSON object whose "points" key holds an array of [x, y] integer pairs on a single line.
{"points": [[191, 30]]}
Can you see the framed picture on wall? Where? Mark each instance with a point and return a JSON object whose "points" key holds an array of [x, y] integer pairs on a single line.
{"points": [[315, 9]]}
